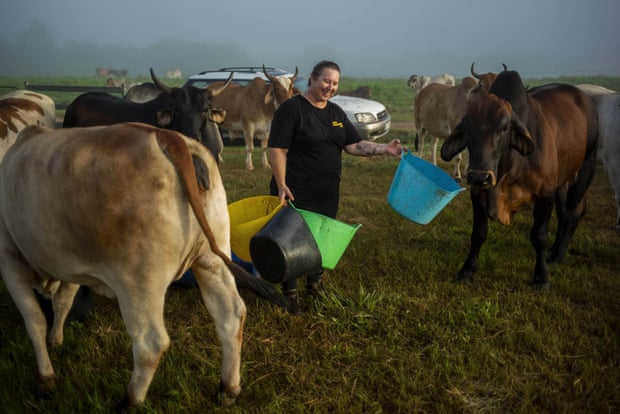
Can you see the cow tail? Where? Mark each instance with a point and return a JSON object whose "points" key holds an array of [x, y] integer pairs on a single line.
{"points": [[178, 152]]}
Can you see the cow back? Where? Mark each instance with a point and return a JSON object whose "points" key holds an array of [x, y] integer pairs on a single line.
{"points": [[567, 126], [103, 190]]}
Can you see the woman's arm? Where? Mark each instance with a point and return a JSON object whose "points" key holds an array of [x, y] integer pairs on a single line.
{"points": [[367, 148], [277, 157]]}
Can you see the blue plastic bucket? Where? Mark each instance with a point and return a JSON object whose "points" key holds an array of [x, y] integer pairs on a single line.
{"points": [[420, 190]]}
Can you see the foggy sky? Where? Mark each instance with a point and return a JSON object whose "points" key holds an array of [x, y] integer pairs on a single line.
{"points": [[368, 38]]}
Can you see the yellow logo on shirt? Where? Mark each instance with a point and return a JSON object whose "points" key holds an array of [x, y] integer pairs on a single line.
{"points": [[337, 124]]}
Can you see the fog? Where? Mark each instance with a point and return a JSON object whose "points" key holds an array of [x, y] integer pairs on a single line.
{"points": [[389, 39]]}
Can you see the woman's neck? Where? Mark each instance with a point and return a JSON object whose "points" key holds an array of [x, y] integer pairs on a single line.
{"points": [[316, 103]]}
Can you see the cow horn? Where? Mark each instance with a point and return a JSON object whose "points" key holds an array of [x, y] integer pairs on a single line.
{"points": [[295, 75], [505, 67], [215, 92], [165, 88], [473, 72], [266, 74]]}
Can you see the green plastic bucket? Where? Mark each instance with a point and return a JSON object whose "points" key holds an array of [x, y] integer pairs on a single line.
{"points": [[331, 236], [420, 190]]}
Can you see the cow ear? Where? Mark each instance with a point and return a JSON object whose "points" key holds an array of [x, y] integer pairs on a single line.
{"points": [[268, 97], [216, 115], [165, 117], [455, 143], [521, 140]]}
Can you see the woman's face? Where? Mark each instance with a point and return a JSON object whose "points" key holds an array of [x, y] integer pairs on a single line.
{"points": [[325, 85]]}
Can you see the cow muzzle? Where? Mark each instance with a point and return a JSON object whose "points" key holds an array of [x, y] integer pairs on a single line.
{"points": [[483, 178]]}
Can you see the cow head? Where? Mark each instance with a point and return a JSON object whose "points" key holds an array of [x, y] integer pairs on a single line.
{"points": [[485, 79], [412, 81], [191, 114], [490, 131], [280, 88]]}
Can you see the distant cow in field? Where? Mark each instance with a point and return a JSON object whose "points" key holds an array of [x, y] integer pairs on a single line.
{"points": [[21, 108], [174, 74], [419, 82], [249, 109], [115, 82], [101, 72], [359, 92], [438, 108], [120, 209], [608, 108], [527, 147]]}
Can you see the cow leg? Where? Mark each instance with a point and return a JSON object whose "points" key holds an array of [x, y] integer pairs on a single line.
{"points": [[613, 172], [457, 167], [480, 229], [143, 316], [249, 149], [61, 303], [435, 143], [222, 300], [419, 141], [539, 236], [575, 208], [19, 280], [265, 150]]}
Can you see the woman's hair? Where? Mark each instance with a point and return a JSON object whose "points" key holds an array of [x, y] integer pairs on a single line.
{"points": [[318, 68]]}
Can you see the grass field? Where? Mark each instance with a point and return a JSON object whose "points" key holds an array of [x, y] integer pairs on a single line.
{"points": [[394, 333]]}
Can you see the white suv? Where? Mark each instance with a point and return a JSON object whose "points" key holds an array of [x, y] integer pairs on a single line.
{"points": [[369, 117]]}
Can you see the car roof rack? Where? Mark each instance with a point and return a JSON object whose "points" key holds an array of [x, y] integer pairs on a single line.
{"points": [[251, 69]]}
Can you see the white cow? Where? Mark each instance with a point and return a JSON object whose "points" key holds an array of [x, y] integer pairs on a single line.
{"points": [[608, 107], [418, 82], [21, 108], [122, 210], [174, 74]]}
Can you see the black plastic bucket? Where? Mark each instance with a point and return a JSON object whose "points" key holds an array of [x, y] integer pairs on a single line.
{"points": [[284, 248]]}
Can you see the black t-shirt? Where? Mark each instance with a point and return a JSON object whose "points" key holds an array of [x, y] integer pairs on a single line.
{"points": [[315, 139]]}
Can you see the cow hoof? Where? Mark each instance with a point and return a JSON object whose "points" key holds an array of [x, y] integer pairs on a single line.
{"points": [[226, 397], [465, 277], [126, 406], [541, 284], [46, 386], [555, 258]]}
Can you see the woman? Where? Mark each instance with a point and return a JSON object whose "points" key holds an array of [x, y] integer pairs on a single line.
{"points": [[308, 135]]}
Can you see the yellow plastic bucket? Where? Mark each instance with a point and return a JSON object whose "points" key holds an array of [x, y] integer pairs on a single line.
{"points": [[247, 217]]}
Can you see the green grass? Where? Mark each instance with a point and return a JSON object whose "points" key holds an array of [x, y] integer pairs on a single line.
{"points": [[395, 332]]}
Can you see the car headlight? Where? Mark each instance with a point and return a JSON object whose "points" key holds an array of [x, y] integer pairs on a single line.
{"points": [[365, 117]]}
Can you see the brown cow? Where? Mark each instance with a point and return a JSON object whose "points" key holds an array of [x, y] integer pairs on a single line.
{"points": [[359, 92], [485, 79], [535, 147], [249, 110]]}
